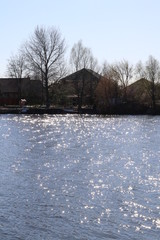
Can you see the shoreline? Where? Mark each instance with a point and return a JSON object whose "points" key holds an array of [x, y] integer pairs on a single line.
{"points": [[51, 110]]}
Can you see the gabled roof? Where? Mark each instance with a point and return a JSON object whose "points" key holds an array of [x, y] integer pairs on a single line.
{"points": [[139, 90], [139, 83], [74, 75], [139, 86], [97, 75]]}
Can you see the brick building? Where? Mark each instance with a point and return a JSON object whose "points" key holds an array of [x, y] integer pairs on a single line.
{"points": [[13, 89]]}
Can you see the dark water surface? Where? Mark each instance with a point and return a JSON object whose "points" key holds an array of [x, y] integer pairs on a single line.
{"points": [[79, 177]]}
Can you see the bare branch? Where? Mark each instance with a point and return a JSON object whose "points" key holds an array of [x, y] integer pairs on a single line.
{"points": [[44, 53]]}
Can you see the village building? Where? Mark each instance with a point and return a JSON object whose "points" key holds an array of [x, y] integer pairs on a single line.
{"points": [[76, 89], [12, 90]]}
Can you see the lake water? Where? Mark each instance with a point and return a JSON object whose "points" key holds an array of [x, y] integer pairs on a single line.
{"points": [[79, 177]]}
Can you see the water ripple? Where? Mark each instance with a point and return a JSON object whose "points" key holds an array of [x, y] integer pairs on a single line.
{"points": [[79, 177]]}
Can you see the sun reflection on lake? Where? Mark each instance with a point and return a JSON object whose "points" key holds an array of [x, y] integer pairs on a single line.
{"points": [[89, 177]]}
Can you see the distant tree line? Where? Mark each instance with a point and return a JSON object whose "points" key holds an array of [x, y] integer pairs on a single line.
{"points": [[42, 57]]}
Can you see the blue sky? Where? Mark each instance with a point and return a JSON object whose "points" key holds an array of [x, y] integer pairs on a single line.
{"points": [[112, 29]]}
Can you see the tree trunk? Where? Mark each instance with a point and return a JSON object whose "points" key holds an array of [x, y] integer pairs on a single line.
{"points": [[153, 96], [46, 91]]}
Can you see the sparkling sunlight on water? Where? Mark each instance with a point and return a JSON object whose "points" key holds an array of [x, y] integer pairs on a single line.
{"points": [[79, 177]]}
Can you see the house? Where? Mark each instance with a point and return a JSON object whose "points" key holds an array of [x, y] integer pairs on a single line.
{"points": [[140, 91], [76, 89], [13, 89]]}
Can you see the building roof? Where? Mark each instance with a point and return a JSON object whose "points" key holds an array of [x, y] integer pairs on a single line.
{"points": [[8, 85], [74, 75], [139, 85]]}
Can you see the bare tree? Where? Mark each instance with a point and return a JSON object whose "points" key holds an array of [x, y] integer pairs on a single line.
{"points": [[110, 83], [82, 57], [109, 71], [16, 67], [105, 68], [140, 70], [44, 53], [106, 94], [123, 72], [151, 72]]}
